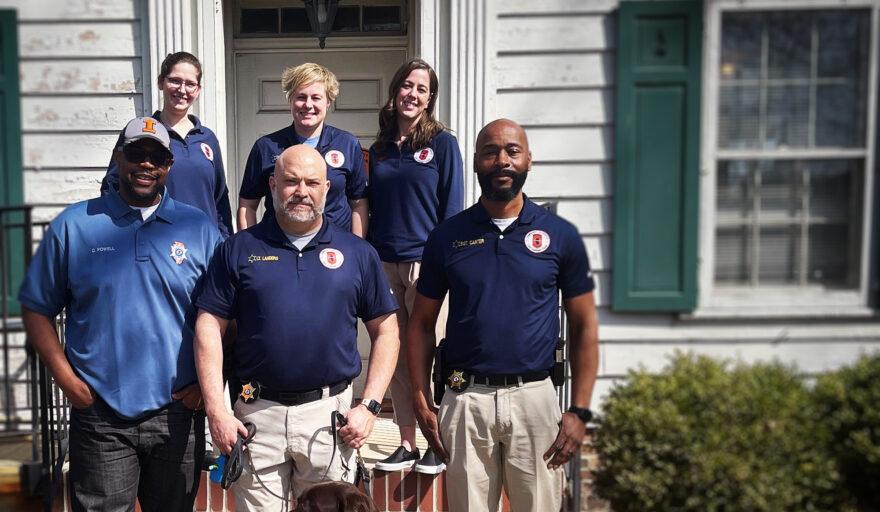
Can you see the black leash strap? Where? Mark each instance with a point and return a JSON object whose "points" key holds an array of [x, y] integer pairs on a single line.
{"points": [[233, 468], [362, 474]]}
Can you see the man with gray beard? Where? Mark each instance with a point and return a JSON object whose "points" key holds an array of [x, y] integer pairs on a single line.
{"points": [[296, 284]]}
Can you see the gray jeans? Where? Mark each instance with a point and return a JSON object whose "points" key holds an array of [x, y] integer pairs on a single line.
{"points": [[156, 459]]}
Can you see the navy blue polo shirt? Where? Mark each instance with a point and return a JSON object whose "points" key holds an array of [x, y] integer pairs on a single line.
{"points": [[345, 170], [410, 193], [504, 287], [296, 310], [197, 176], [127, 286]]}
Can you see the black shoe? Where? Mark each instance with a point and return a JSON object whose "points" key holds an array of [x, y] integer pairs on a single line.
{"points": [[400, 459], [430, 463]]}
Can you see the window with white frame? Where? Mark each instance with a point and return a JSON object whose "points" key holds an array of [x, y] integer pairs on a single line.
{"points": [[792, 152]]}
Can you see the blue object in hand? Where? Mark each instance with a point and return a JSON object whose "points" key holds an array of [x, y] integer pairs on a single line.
{"points": [[217, 470]]}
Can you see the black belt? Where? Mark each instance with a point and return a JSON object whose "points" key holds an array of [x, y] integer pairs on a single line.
{"points": [[290, 398], [508, 380]]}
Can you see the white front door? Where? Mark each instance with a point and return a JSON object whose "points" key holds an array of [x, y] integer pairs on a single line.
{"points": [[364, 75]]}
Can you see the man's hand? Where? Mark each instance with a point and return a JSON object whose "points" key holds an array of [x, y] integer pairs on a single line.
{"points": [[427, 419], [79, 393], [191, 396], [568, 441], [225, 429], [359, 426]]}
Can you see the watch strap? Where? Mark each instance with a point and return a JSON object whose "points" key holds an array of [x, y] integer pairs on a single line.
{"points": [[583, 413], [372, 406]]}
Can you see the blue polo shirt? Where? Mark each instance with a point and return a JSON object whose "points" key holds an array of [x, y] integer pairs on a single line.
{"points": [[296, 310], [345, 170], [127, 287], [197, 177], [410, 193], [504, 287]]}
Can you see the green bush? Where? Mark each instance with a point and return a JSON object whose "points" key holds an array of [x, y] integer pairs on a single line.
{"points": [[848, 403], [705, 435]]}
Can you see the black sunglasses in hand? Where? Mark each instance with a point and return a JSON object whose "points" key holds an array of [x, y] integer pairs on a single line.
{"points": [[137, 155]]}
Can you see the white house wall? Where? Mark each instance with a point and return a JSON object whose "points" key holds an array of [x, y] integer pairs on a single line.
{"points": [[81, 80]]}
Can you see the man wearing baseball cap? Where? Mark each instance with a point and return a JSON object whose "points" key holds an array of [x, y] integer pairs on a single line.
{"points": [[124, 267]]}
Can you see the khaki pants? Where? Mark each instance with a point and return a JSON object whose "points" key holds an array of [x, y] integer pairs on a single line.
{"points": [[403, 277], [496, 438], [291, 450]]}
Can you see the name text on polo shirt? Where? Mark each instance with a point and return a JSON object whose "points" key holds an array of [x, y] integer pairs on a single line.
{"points": [[458, 244], [254, 258], [107, 248]]}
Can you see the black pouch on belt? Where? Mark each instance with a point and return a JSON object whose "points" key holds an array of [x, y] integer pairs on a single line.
{"points": [[439, 375], [557, 374]]}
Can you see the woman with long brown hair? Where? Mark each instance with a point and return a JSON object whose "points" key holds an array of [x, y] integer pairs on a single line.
{"points": [[416, 182]]}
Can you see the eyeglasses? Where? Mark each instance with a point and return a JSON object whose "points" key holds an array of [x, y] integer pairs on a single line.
{"points": [[138, 155], [177, 82]]}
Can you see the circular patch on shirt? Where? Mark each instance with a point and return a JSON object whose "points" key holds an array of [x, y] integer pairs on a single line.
{"points": [[423, 155], [178, 252], [331, 258], [334, 158], [537, 240], [209, 153]]}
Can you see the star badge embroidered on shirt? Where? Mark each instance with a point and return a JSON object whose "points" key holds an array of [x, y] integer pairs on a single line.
{"points": [[178, 252]]}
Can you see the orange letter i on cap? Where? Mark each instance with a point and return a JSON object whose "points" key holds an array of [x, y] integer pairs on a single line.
{"points": [[149, 125]]}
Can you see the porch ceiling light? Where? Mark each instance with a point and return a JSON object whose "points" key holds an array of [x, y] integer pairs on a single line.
{"points": [[321, 14]]}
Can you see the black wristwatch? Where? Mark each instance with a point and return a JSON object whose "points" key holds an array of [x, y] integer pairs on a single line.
{"points": [[372, 406], [582, 413]]}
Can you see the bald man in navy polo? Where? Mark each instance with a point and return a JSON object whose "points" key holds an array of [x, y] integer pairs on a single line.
{"points": [[296, 284], [504, 261]]}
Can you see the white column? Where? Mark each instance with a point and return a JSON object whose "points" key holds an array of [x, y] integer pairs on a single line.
{"points": [[455, 37]]}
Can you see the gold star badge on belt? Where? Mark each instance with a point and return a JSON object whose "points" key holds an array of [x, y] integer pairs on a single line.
{"points": [[247, 393], [456, 380]]}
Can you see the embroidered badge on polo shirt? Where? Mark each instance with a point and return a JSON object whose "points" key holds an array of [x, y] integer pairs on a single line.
{"points": [[537, 240], [178, 252], [423, 155], [331, 258], [334, 158], [209, 153]]}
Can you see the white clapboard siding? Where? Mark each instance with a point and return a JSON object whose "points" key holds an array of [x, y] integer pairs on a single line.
{"points": [[62, 187], [81, 76], [552, 180], [54, 113], [573, 106], [67, 150], [571, 143], [810, 357], [599, 252], [566, 33], [554, 71], [525, 7], [63, 10], [590, 216], [114, 39]]}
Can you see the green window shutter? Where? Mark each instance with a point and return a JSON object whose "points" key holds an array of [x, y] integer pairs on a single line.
{"points": [[12, 238], [657, 132]]}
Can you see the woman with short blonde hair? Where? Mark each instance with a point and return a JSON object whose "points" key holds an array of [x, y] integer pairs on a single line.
{"points": [[310, 88]]}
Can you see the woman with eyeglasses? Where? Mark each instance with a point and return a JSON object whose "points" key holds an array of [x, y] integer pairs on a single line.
{"points": [[197, 176]]}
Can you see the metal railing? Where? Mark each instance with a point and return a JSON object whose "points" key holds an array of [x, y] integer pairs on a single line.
{"points": [[31, 403]]}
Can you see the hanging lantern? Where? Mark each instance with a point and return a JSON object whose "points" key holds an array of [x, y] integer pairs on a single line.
{"points": [[321, 14]]}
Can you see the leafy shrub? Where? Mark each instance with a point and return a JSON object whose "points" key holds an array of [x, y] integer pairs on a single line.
{"points": [[848, 403], [705, 436]]}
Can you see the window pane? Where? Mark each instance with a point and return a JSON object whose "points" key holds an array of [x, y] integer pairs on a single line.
{"points": [[788, 45], [843, 43], [348, 19], [807, 215], [295, 21], [739, 116], [259, 21], [382, 19], [788, 117], [732, 258], [741, 46]]}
